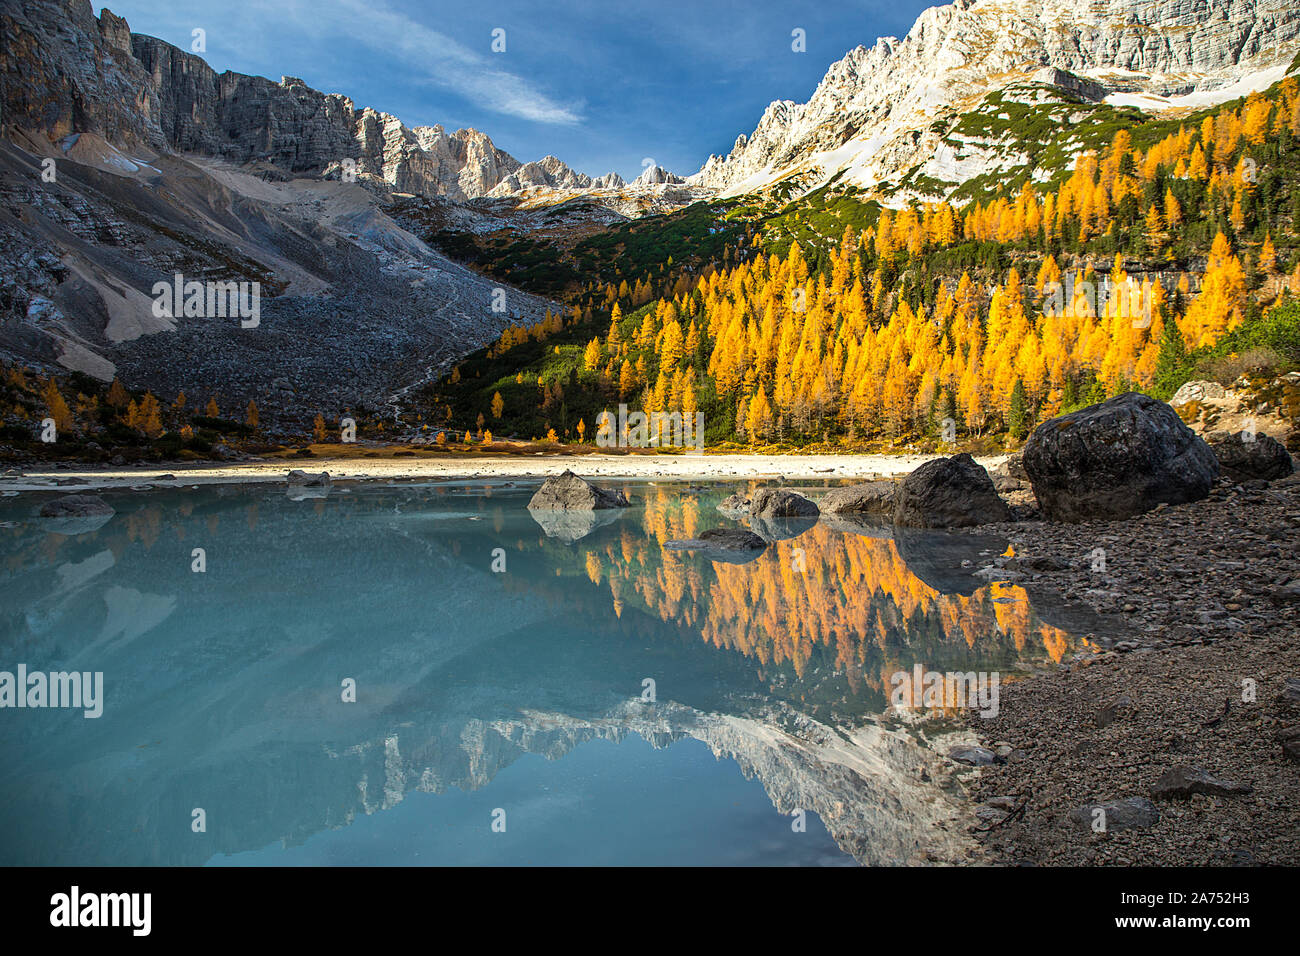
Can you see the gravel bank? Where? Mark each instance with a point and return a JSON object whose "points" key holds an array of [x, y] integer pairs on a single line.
{"points": [[1205, 599]]}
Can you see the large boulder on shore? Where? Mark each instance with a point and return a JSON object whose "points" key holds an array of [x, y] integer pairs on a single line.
{"points": [[781, 503], [951, 492], [868, 498], [1117, 459], [568, 492], [1247, 455]]}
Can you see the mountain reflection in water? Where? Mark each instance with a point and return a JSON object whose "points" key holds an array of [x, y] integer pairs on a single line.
{"points": [[223, 688]]}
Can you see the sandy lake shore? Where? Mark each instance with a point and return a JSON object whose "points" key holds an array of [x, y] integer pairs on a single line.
{"points": [[637, 467]]}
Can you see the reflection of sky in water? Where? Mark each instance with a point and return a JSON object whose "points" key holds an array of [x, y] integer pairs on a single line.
{"points": [[223, 688]]}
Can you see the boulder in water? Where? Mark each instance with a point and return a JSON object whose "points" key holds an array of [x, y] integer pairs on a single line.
{"points": [[568, 492], [308, 480], [781, 503], [871, 498], [949, 493], [76, 514]]}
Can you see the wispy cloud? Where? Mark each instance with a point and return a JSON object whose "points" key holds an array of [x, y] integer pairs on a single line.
{"points": [[442, 61], [425, 56]]}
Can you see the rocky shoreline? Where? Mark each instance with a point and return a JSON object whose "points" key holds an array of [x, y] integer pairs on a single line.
{"points": [[1205, 602]]}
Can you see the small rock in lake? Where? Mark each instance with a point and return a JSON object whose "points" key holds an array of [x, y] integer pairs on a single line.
{"points": [[568, 492]]}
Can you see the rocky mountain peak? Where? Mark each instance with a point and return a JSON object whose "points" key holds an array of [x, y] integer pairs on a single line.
{"points": [[869, 118], [62, 72], [656, 176]]}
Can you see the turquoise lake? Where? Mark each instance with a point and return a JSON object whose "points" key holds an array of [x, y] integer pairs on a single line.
{"points": [[560, 691]]}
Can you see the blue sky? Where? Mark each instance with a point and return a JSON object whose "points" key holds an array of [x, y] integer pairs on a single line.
{"points": [[602, 84]]}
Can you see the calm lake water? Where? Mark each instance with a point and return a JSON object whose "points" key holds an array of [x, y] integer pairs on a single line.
{"points": [[562, 692]]}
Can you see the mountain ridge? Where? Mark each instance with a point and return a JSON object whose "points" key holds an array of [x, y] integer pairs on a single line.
{"points": [[64, 71], [869, 119]]}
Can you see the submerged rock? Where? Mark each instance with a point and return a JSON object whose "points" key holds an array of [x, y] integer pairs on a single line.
{"points": [[568, 492], [734, 545], [76, 514], [1117, 459], [1247, 456], [77, 506], [732, 539], [949, 493], [871, 497]]}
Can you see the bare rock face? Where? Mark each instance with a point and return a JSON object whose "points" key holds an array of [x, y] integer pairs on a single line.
{"points": [[1117, 459], [781, 503], [568, 492], [1259, 401], [1245, 456], [871, 497], [656, 176], [949, 493], [63, 72]]}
